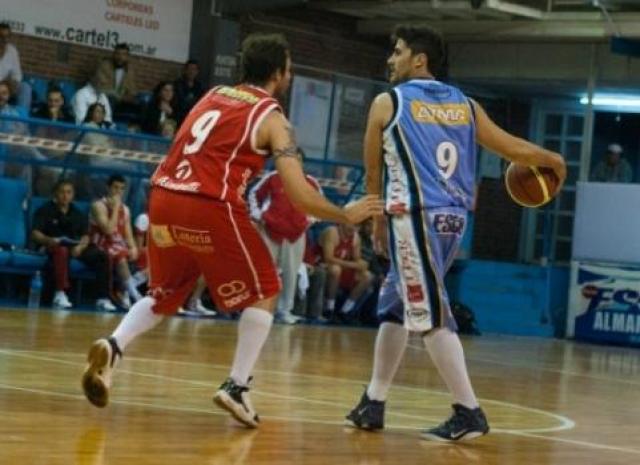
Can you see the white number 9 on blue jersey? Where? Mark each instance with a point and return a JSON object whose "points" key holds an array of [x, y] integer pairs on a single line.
{"points": [[447, 158]]}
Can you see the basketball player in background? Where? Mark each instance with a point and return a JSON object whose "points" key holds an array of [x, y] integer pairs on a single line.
{"points": [[421, 138], [199, 223]]}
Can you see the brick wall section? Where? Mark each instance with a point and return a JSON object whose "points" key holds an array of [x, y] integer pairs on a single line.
{"points": [[324, 40], [320, 39], [57, 60]]}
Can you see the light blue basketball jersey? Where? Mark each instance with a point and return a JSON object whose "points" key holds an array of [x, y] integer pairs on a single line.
{"points": [[429, 148]]}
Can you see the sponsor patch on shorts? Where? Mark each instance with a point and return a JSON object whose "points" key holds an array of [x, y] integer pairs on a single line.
{"points": [[233, 293], [161, 236], [197, 240]]}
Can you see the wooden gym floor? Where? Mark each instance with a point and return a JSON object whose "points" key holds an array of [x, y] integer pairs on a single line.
{"points": [[548, 401]]}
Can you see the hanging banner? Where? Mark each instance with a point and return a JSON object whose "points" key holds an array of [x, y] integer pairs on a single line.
{"points": [[156, 29], [605, 303]]}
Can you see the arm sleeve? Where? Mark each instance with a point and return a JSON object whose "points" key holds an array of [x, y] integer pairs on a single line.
{"points": [[16, 72], [107, 107], [79, 106]]}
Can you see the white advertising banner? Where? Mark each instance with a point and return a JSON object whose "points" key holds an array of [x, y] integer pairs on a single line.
{"points": [[152, 28], [604, 303]]}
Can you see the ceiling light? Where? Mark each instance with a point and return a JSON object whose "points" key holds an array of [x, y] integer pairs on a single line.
{"points": [[600, 100]]}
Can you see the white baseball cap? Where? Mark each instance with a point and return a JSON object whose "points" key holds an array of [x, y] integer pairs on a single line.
{"points": [[615, 148]]}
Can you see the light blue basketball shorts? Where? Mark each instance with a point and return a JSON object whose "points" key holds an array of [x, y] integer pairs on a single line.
{"points": [[422, 247]]}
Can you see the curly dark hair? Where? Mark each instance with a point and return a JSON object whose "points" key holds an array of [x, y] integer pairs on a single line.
{"points": [[263, 55], [424, 40]]}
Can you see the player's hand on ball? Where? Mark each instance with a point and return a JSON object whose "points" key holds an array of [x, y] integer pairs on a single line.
{"points": [[358, 211]]}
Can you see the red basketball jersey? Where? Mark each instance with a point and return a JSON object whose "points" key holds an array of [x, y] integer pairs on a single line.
{"points": [[214, 153], [115, 243], [344, 248]]}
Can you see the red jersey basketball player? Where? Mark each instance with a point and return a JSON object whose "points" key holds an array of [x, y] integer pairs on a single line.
{"points": [[200, 225]]}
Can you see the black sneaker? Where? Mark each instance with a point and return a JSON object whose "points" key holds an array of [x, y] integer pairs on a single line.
{"points": [[464, 424], [235, 399], [368, 414]]}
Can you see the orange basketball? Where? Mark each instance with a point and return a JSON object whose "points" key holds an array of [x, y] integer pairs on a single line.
{"points": [[530, 186]]}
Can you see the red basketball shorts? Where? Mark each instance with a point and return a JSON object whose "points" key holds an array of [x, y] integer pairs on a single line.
{"points": [[191, 235]]}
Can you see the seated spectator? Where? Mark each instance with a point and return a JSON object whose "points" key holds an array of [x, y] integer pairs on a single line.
{"points": [[312, 278], [55, 109], [188, 89], [378, 267], [119, 80], [15, 169], [346, 270], [11, 71], [168, 128], [110, 230], [194, 305], [95, 118], [7, 109], [161, 108], [282, 227], [92, 92], [61, 229], [613, 168]]}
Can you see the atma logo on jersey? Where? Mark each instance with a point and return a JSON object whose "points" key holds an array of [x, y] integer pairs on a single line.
{"points": [[448, 114]]}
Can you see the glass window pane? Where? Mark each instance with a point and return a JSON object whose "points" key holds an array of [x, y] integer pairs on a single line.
{"points": [[539, 223], [573, 172], [572, 150], [567, 200], [537, 249], [565, 226], [563, 251], [552, 144], [553, 125], [575, 125]]}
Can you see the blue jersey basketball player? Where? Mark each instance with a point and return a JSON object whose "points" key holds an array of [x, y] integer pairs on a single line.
{"points": [[420, 155]]}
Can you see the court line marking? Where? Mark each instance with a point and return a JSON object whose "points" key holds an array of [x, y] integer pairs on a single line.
{"points": [[564, 422], [537, 368], [67, 313], [317, 421]]}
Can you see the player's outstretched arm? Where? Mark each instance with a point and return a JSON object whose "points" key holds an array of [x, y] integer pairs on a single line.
{"points": [[515, 149], [280, 138]]}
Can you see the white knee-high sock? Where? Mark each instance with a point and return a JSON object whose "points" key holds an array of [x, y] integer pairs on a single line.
{"points": [[138, 320], [253, 329], [391, 342], [447, 354]]}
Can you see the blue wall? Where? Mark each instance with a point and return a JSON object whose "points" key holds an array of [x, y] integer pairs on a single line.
{"points": [[511, 298]]}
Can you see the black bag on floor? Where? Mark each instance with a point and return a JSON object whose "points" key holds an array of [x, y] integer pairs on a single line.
{"points": [[465, 319]]}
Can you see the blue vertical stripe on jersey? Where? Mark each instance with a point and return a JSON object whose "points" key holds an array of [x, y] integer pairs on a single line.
{"points": [[419, 222]]}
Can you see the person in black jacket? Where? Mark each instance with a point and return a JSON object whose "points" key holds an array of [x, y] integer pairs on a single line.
{"points": [[161, 107], [188, 89], [60, 228]]}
